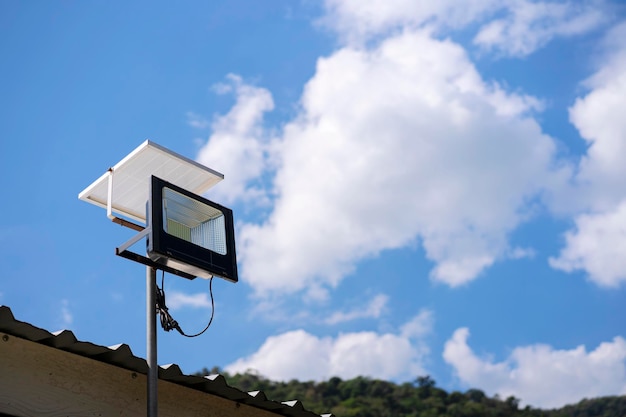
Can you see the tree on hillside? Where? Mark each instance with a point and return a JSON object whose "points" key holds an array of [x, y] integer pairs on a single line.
{"points": [[366, 397]]}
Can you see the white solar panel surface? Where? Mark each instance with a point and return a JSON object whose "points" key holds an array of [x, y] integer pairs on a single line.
{"points": [[131, 179]]}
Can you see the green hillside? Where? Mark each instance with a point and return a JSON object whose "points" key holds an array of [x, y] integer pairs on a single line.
{"points": [[366, 397]]}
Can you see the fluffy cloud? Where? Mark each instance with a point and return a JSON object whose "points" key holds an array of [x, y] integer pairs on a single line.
{"points": [[238, 145], [301, 355], [197, 121], [599, 117], [394, 145], [528, 25], [67, 318], [540, 375], [402, 141], [522, 26], [599, 189], [177, 300], [372, 310], [419, 326], [357, 20], [597, 246]]}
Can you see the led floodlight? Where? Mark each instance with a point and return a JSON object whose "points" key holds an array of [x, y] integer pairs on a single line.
{"points": [[190, 233]]}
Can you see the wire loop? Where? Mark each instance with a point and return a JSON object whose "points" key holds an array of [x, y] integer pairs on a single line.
{"points": [[167, 321]]}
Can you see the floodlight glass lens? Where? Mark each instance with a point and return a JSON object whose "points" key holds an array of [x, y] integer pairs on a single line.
{"points": [[194, 221]]}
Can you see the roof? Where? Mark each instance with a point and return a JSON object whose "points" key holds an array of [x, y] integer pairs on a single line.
{"points": [[121, 356]]}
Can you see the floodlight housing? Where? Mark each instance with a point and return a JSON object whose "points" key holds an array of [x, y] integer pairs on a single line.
{"points": [[190, 233]]}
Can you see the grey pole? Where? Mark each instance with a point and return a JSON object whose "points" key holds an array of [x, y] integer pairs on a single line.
{"points": [[151, 341]]}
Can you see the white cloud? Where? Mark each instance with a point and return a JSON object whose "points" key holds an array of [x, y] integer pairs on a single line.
{"points": [[275, 309], [66, 315], [599, 189], [402, 142], [419, 326], [521, 253], [296, 354], [373, 310], [301, 355], [598, 246], [238, 145], [356, 21], [599, 117], [394, 147], [176, 300], [316, 294], [197, 121], [529, 25], [521, 26], [540, 375]]}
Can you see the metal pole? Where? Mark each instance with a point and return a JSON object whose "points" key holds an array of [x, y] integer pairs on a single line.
{"points": [[151, 341]]}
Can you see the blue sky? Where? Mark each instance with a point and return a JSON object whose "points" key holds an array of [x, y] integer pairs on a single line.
{"points": [[417, 189]]}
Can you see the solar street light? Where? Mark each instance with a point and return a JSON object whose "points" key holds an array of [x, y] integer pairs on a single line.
{"points": [[186, 234]]}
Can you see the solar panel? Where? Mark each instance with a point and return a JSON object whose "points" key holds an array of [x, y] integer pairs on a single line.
{"points": [[127, 184]]}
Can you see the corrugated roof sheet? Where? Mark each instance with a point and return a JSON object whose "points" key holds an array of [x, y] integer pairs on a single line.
{"points": [[122, 356]]}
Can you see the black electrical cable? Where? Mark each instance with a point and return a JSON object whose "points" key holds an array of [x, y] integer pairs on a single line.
{"points": [[167, 321]]}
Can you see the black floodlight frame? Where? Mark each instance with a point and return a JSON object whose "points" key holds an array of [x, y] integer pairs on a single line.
{"points": [[171, 251]]}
